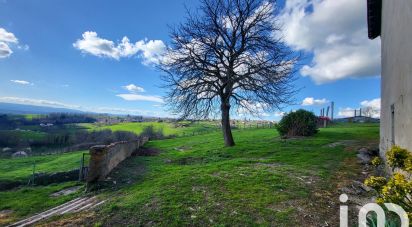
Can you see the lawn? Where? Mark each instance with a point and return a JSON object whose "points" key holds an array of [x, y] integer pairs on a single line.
{"points": [[16, 169], [263, 180], [168, 129]]}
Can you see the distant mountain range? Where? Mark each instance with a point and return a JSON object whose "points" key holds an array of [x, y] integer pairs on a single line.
{"points": [[12, 108]]}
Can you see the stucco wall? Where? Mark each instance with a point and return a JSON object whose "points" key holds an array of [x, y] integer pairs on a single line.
{"points": [[396, 85], [104, 158]]}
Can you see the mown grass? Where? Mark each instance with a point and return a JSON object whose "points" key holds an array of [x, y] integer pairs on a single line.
{"points": [[26, 201], [168, 129], [261, 181], [17, 169]]}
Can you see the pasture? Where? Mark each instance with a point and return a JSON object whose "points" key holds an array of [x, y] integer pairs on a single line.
{"points": [[20, 169], [168, 129], [263, 180], [196, 180]]}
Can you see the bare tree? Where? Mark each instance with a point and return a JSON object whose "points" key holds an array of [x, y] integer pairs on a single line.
{"points": [[369, 111], [229, 53]]}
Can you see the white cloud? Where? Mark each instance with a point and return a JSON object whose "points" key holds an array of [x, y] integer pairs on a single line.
{"points": [[22, 82], [37, 102], [346, 112], [133, 88], [370, 108], [335, 32], [374, 103], [114, 110], [150, 50], [6, 38], [136, 97], [5, 50], [279, 114], [310, 101]]}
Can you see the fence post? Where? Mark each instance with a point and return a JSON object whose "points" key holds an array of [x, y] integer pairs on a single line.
{"points": [[81, 167]]}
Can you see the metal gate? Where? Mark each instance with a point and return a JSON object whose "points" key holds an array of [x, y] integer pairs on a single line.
{"points": [[84, 168]]}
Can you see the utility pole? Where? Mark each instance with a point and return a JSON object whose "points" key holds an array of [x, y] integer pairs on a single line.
{"points": [[327, 111], [332, 106]]}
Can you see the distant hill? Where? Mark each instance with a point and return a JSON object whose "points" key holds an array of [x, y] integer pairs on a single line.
{"points": [[12, 108]]}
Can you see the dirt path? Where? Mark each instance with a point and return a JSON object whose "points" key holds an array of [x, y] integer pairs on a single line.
{"points": [[73, 206]]}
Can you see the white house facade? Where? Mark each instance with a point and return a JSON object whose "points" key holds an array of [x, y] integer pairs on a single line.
{"points": [[392, 21]]}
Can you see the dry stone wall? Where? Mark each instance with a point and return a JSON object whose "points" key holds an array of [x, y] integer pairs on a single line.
{"points": [[104, 158]]}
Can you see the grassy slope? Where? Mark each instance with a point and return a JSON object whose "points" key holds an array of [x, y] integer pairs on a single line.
{"points": [[167, 128], [21, 168], [198, 181]]}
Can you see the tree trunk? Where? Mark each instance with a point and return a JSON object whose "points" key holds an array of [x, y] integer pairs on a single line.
{"points": [[227, 131]]}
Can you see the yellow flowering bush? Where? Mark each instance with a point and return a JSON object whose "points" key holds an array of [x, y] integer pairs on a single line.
{"points": [[376, 161], [396, 157], [397, 189], [408, 163], [376, 183]]}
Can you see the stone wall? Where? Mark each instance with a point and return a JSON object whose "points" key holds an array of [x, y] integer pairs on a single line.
{"points": [[104, 158]]}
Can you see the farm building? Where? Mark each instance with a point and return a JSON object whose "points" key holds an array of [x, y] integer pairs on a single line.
{"points": [[391, 20]]}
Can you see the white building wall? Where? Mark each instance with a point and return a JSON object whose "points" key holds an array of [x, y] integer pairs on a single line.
{"points": [[396, 82]]}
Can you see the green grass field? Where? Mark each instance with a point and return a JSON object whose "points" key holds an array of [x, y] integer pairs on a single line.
{"points": [[168, 129], [24, 134], [196, 181], [18, 169], [261, 181]]}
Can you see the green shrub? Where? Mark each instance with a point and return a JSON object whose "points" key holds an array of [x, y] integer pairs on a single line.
{"points": [[298, 123], [152, 133]]}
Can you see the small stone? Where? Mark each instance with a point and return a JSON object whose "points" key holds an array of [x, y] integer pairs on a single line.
{"points": [[363, 150], [366, 188]]}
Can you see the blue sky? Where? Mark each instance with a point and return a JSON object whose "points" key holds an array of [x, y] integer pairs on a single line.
{"points": [[48, 54]]}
